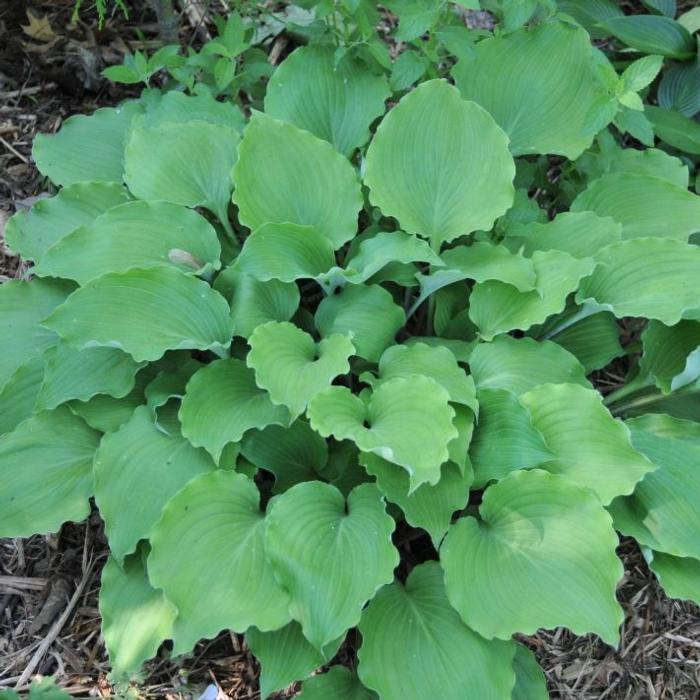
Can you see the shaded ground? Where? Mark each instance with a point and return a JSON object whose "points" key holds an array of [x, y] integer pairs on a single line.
{"points": [[49, 621]]}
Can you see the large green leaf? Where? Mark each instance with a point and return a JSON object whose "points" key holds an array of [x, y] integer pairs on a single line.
{"points": [[136, 618], [591, 448], [292, 367], [331, 557], [497, 307], [31, 233], [652, 277], [589, 12], [23, 305], [339, 683], [286, 174], [675, 129], [367, 314], [652, 34], [549, 548], [87, 148], [679, 576], [175, 106], [81, 374], [138, 469], [426, 165], [644, 205], [46, 473], [678, 89], [144, 313], [519, 364], [669, 354], [222, 402], [212, 533], [188, 164], [335, 102], [530, 682], [542, 85], [428, 507], [407, 421], [18, 396], [504, 439], [415, 646], [662, 512], [136, 234]]}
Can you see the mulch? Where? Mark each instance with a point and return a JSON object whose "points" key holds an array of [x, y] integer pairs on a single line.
{"points": [[49, 618]]}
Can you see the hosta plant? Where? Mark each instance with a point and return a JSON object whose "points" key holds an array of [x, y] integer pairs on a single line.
{"points": [[334, 368]]}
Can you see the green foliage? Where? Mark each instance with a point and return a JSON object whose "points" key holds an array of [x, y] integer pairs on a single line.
{"points": [[325, 356]]}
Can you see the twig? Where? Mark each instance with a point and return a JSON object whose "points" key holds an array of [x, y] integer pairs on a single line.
{"points": [[34, 583], [13, 150], [23, 92]]}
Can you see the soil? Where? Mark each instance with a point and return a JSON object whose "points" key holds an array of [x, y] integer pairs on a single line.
{"points": [[49, 618]]}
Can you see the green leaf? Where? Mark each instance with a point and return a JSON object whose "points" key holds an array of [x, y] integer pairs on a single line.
{"points": [[105, 413], [518, 365], [138, 469], [222, 402], [496, 307], [591, 448], [675, 129], [81, 374], [214, 526], [169, 384], [188, 164], [87, 148], [18, 396], [662, 512], [336, 103], [410, 632], [663, 7], [285, 174], [667, 354], [46, 472], [339, 683], [31, 233], [552, 98], [530, 682], [634, 123], [415, 17], [311, 532], [144, 313], [285, 656], [678, 576], [407, 69], [285, 252], [589, 12], [691, 19], [645, 206], [678, 90], [366, 314], [136, 234], [292, 367], [652, 34], [641, 73], [549, 548], [437, 363], [407, 421], [651, 277], [174, 106], [425, 165], [428, 507], [293, 454], [136, 618], [23, 305], [505, 438]]}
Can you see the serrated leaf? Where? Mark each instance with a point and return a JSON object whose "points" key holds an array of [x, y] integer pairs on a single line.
{"points": [[285, 174], [339, 683], [425, 165], [428, 507], [336, 103], [542, 85], [136, 618], [675, 129], [144, 313], [30, 234], [222, 402], [592, 449], [645, 206], [366, 314], [641, 73], [550, 549], [652, 34], [292, 367], [311, 532], [18, 396], [667, 352], [496, 307], [407, 421], [519, 364], [46, 472], [410, 631], [212, 533], [87, 148], [409, 67], [530, 682], [134, 235], [652, 277], [188, 164], [678, 576], [504, 438], [138, 469]]}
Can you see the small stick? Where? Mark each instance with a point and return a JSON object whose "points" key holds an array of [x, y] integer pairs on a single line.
{"points": [[22, 92], [13, 151]]}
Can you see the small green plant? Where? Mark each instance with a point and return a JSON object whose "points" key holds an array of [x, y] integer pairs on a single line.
{"points": [[330, 366]]}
